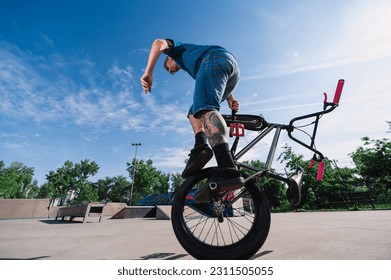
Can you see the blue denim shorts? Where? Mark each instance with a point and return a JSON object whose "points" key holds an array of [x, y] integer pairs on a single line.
{"points": [[217, 77]]}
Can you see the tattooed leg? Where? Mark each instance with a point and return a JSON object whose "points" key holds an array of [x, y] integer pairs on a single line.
{"points": [[215, 128]]}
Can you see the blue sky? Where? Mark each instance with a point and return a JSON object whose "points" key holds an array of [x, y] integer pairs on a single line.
{"points": [[70, 70]]}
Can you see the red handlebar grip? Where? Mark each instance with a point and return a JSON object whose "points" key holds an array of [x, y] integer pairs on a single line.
{"points": [[338, 91], [319, 176]]}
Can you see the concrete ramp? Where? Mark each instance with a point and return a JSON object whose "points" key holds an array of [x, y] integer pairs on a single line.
{"points": [[160, 212], [24, 208], [136, 212], [163, 212]]}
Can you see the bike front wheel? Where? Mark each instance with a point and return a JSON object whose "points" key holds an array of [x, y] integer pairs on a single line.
{"points": [[202, 232]]}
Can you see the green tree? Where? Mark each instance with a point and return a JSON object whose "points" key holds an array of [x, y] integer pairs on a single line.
{"points": [[274, 189], [114, 189], [83, 187], [72, 178], [176, 181], [148, 180], [335, 186], [17, 181], [373, 163]]}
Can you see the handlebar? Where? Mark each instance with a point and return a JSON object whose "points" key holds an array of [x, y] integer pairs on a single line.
{"points": [[327, 108], [338, 91], [238, 123], [337, 96], [233, 111]]}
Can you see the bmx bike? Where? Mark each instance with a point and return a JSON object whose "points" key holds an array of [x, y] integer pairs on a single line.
{"points": [[235, 224]]}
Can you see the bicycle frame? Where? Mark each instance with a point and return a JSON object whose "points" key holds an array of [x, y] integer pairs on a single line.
{"points": [[273, 147], [327, 108]]}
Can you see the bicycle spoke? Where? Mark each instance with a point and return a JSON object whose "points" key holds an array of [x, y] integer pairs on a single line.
{"points": [[237, 223], [221, 234]]}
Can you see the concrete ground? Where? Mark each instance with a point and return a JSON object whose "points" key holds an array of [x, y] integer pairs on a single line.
{"points": [[350, 235]]}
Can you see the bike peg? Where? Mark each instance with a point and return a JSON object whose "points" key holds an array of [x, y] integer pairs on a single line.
{"points": [[320, 174], [321, 166]]}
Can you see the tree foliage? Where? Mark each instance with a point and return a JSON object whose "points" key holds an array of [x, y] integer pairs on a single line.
{"points": [[335, 186], [373, 163], [274, 189], [176, 181], [113, 189], [17, 181], [72, 179], [146, 179]]}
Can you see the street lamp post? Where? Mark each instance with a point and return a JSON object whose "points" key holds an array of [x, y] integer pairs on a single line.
{"points": [[134, 171]]}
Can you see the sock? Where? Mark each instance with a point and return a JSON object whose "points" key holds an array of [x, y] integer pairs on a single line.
{"points": [[200, 139], [223, 155]]}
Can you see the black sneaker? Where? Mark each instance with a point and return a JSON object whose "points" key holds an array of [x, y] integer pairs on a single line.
{"points": [[199, 156], [226, 179]]}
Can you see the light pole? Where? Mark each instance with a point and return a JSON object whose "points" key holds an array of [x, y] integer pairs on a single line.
{"points": [[134, 171]]}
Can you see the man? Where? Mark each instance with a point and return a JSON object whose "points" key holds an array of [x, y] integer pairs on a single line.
{"points": [[216, 75]]}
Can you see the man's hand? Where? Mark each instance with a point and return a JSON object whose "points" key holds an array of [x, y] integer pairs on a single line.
{"points": [[146, 82], [157, 47], [233, 103]]}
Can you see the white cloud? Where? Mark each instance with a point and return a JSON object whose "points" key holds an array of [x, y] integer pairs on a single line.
{"points": [[39, 95], [171, 158], [319, 38], [14, 146]]}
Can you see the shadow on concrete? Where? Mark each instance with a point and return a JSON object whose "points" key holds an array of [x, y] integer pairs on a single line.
{"points": [[15, 259], [60, 222], [163, 256], [261, 254]]}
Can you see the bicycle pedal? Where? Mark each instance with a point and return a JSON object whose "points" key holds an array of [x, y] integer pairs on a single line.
{"points": [[293, 193], [237, 129]]}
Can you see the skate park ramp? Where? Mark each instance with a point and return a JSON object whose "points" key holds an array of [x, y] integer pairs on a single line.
{"points": [[41, 208], [24, 208], [163, 212], [160, 212]]}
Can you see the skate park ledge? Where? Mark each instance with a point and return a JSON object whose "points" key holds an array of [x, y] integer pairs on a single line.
{"points": [[92, 211]]}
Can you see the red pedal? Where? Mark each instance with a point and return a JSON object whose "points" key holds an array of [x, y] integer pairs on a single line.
{"points": [[237, 129]]}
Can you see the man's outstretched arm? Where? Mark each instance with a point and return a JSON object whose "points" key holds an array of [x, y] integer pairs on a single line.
{"points": [[158, 46]]}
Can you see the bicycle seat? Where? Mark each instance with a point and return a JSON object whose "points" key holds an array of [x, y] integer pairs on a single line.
{"points": [[250, 122]]}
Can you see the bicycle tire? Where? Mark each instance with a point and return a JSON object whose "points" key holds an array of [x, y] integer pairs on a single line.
{"points": [[239, 236]]}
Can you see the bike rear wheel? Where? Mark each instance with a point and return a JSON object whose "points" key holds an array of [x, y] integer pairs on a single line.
{"points": [[240, 235]]}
